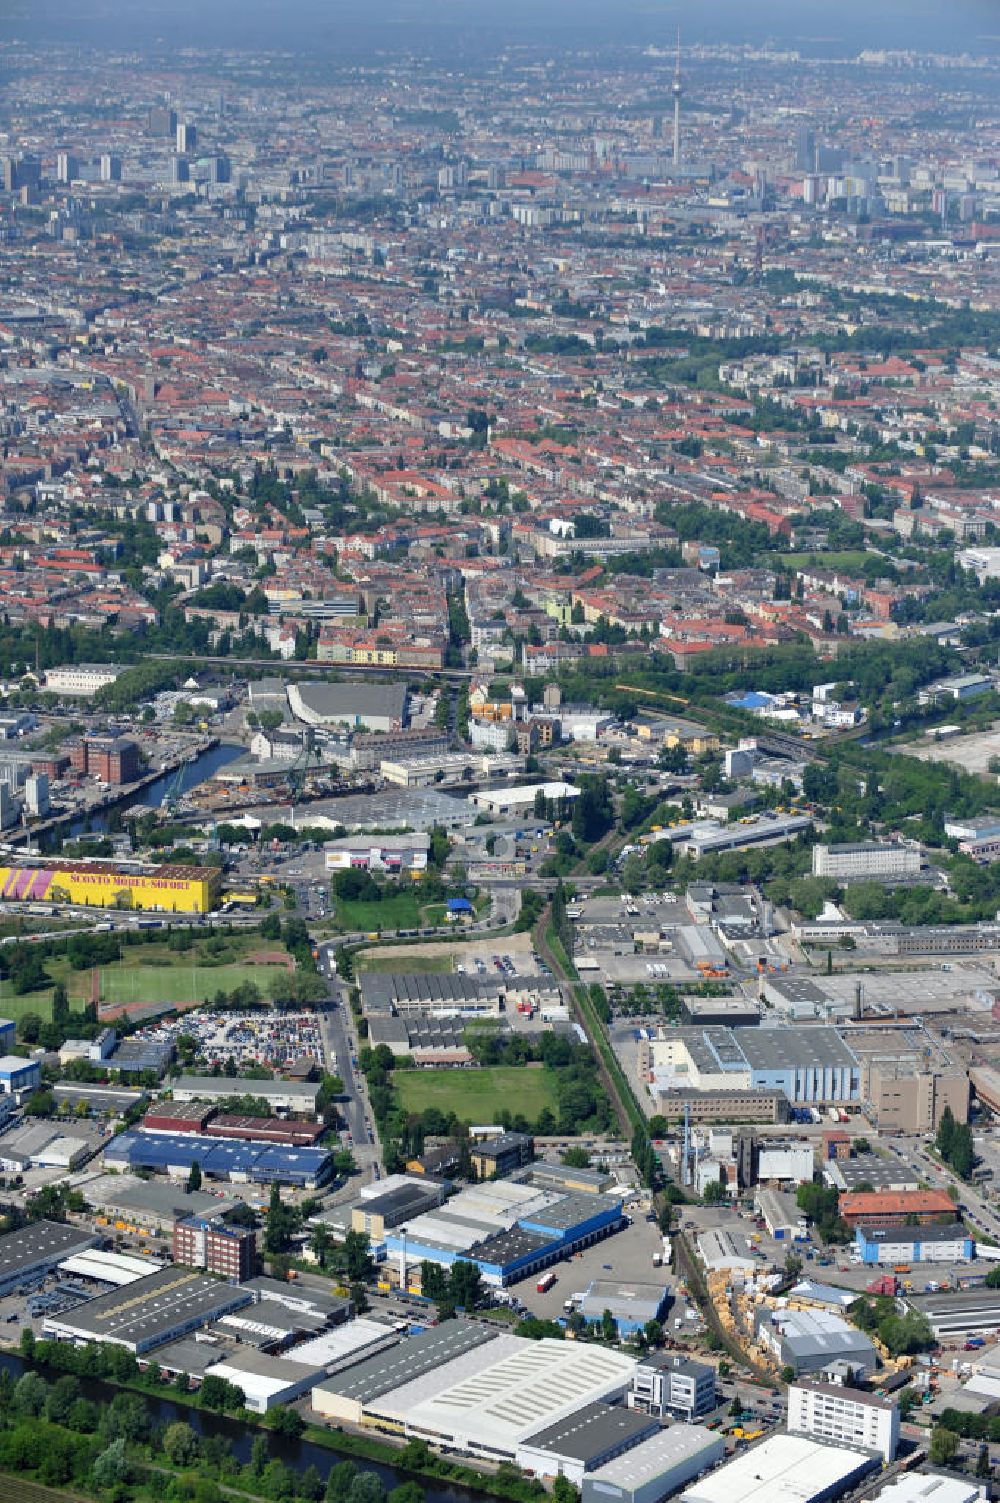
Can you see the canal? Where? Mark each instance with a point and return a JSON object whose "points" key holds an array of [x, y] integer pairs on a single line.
{"points": [[299, 1454], [198, 770]]}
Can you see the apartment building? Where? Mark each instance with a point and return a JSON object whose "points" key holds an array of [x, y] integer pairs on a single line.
{"points": [[844, 1415]]}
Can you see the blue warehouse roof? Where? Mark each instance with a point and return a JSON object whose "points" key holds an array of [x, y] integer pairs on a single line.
{"points": [[219, 1158]]}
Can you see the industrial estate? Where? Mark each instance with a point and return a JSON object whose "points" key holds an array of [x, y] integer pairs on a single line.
{"points": [[499, 757]]}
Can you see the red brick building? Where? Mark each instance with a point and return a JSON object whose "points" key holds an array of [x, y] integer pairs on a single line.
{"points": [[229, 1251], [112, 759]]}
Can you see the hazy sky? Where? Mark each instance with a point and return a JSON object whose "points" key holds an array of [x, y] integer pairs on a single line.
{"points": [[812, 25]]}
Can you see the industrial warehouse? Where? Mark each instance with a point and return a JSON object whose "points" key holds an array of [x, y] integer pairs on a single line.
{"points": [[109, 884], [236, 1160]]}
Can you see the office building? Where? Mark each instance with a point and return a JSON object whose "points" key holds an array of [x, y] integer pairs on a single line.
{"points": [[111, 168], [162, 121], [846, 1416], [36, 794], [503, 1154], [67, 167], [187, 138], [180, 172], [216, 1246], [80, 679], [865, 861], [665, 1384]]}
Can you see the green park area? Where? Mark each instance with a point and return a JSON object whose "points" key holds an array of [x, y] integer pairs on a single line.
{"points": [[399, 909], [478, 1095], [850, 560]]}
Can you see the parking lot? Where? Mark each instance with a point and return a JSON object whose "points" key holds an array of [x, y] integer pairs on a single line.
{"points": [[274, 1039]]}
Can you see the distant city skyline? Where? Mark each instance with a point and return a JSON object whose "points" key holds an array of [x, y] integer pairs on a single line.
{"points": [[814, 28]]}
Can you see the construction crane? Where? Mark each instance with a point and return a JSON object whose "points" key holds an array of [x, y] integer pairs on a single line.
{"points": [[174, 789], [300, 767]]}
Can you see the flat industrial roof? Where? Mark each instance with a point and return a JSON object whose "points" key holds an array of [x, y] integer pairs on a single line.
{"points": [[591, 1431], [782, 1469], [41, 1241], [659, 1454], [413, 1357], [138, 1313], [503, 1401]]}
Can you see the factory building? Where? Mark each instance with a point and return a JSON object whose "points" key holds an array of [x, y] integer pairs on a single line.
{"points": [[845, 1416], [18, 1074], [280, 1095], [809, 1065], [219, 1158], [889, 1207], [889, 1245], [810, 1341], [631, 1306], [790, 1467], [145, 1314], [583, 1441], [107, 884], [37, 1249], [509, 1229], [110, 759], [656, 1467]]}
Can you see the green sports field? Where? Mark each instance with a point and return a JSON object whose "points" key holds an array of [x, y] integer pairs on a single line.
{"points": [[177, 983], [477, 1095]]}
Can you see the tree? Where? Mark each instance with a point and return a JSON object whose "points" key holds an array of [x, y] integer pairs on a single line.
{"points": [[180, 1444], [288, 1422], [736, 1407], [311, 1485], [278, 1226], [943, 1447], [258, 1455], [111, 1467], [715, 1193], [609, 1328], [564, 1492], [30, 1392], [194, 1177]]}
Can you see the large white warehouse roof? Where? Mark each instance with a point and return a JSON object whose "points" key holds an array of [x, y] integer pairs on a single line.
{"points": [[782, 1469]]}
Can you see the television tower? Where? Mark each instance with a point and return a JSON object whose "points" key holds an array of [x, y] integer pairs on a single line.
{"points": [[676, 91]]}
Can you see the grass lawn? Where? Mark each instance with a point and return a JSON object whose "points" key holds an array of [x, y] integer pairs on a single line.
{"points": [[14, 1007], [850, 559], [477, 1095], [371, 960], [187, 982], [401, 911]]}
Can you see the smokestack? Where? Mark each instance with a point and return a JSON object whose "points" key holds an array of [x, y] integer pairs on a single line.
{"points": [[859, 993]]}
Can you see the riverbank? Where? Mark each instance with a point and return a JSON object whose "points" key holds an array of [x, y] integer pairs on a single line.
{"points": [[458, 1481]]}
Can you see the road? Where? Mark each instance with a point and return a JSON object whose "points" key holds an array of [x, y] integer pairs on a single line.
{"points": [[340, 1043]]}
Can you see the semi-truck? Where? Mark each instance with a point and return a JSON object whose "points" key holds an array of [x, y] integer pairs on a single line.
{"points": [[545, 1282]]}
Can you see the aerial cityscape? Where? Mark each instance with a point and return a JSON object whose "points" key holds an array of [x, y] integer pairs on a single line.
{"points": [[499, 753]]}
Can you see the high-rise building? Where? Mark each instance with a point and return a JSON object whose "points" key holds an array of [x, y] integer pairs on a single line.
{"points": [[805, 149], [36, 794], [162, 121], [179, 171], [21, 172], [67, 167], [187, 138], [676, 91], [111, 168]]}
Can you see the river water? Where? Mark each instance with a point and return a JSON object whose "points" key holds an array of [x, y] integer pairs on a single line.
{"points": [[193, 773], [299, 1454]]}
